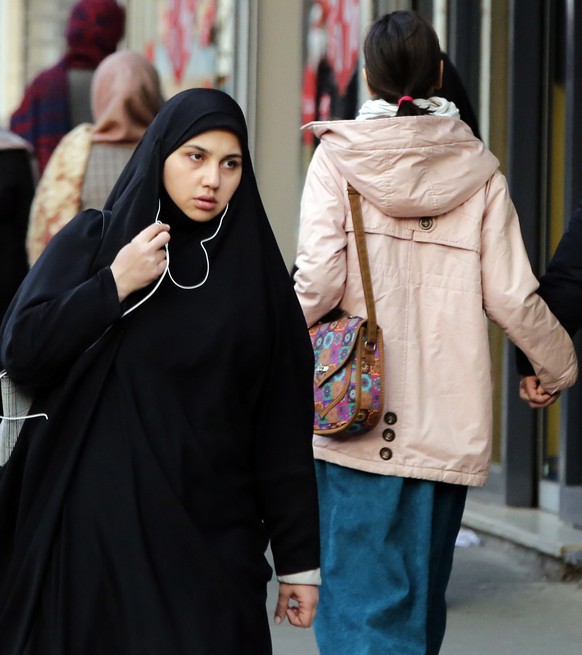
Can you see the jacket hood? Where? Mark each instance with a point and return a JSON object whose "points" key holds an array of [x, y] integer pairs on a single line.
{"points": [[408, 166]]}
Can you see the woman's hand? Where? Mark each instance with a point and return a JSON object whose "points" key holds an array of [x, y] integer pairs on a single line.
{"points": [[141, 261], [298, 602]]}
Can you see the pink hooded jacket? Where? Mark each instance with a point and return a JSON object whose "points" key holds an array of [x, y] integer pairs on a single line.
{"points": [[446, 252]]}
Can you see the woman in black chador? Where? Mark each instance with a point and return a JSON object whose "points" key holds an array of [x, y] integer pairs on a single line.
{"points": [[165, 343]]}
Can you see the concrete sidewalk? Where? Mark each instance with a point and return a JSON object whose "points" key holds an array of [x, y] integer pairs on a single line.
{"points": [[507, 596], [532, 529], [506, 601]]}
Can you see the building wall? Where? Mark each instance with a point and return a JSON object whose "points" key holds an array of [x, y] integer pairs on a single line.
{"points": [[11, 57], [278, 117]]}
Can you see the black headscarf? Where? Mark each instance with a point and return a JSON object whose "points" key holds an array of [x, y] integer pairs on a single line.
{"points": [[134, 198], [245, 250]]}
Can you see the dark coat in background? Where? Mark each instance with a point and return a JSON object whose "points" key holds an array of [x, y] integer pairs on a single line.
{"points": [[561, 286], [16, 193], [453, 89]]}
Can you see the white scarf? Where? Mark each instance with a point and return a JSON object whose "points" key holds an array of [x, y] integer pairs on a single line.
{"points": [[382, 109]]}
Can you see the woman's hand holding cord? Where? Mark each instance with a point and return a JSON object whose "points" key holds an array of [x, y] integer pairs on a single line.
{"points": [[141, 261]]}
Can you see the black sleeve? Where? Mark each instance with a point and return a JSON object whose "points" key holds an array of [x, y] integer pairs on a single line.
{"points": [[561, 286], [284, 465], [62, 307], [522, 363]]}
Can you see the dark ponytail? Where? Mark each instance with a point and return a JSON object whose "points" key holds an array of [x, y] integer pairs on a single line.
{"points": [[402, 57]]}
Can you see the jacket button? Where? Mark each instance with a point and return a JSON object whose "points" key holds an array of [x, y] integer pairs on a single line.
{"points": [[390, 418], [386, 453], [425, 223], [388, 435]]}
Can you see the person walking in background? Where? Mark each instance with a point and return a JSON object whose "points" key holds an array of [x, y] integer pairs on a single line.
{"points": [[17, 180], [135, 519], [125, 97], [445, 251], [58, 99], [561, 289]]}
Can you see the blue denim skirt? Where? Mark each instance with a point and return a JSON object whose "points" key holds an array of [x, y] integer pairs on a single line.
{"points": [[387, 552]]}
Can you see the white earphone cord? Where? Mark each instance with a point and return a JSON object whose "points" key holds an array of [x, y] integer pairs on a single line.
{"points": [[167, 268], [197, 286], [19, 418]]}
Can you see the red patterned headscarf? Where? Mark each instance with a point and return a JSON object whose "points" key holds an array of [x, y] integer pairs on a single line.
{"points": [[94, 29]]}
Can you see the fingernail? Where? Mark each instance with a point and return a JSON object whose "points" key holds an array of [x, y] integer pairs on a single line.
{"points": [[277, 620]]}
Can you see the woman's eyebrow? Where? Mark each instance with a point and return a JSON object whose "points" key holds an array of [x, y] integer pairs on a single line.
{"points": [[193, 146]]}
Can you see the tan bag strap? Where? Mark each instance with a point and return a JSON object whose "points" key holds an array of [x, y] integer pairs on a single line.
{"points": [[356, 207]]}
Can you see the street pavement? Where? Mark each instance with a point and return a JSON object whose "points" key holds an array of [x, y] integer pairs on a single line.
{"points": [[501, 602]]}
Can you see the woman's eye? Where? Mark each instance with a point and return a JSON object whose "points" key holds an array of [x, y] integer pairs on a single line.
{"points": [[232, 163], [195, 156]]}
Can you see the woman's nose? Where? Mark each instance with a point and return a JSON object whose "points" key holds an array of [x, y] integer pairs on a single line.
{"points": [[211, 176]]}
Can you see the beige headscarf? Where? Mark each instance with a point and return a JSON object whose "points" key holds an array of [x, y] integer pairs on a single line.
{"points": [[125, 97]]}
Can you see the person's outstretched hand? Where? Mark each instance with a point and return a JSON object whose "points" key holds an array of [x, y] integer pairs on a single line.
{"points": [[531, 390], [141, 261], [297, 602]]}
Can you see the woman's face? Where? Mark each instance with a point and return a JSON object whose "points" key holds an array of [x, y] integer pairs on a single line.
{"points": [[202, 175]]}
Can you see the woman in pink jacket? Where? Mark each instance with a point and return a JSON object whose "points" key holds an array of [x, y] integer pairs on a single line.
{"points": [[446, 253]]}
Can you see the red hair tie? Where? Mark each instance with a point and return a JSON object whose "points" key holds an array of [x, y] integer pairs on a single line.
{"points": [[405, 98]]}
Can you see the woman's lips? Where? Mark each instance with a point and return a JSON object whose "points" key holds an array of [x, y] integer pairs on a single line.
{"points": [[205, 202]]}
